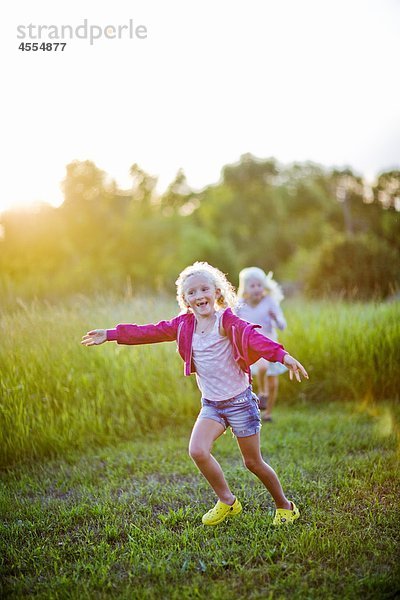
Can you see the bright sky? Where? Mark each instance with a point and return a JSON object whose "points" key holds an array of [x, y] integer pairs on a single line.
{"points": [[297, 80]]}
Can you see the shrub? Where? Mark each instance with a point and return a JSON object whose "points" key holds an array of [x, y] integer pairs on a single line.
{"points": [[359, 267]]}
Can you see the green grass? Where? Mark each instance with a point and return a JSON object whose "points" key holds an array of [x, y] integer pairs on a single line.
{"points": [[125, 521], [100, 500], [56, 394], [351, 350]]}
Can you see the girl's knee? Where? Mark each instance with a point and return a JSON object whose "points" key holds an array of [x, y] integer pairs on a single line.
{"points": [[253, 464], [198, 453]]}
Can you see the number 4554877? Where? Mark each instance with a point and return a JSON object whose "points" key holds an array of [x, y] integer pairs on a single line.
{"points": [[47, 46]]}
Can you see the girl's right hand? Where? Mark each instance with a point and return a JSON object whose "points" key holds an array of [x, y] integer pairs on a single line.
{"points": [[94, 337], [295, 368]]}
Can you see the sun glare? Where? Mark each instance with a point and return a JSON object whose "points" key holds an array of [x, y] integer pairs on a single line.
{"points": [[31, 191], [308, 104]]}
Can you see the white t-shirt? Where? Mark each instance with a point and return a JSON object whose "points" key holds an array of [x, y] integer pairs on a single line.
{"points": [[266, 313], [218, 375]]}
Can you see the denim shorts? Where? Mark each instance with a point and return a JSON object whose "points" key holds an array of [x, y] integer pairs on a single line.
{"points": [[240, 413]]}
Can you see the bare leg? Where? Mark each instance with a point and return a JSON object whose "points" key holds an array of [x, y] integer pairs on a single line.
{"points": [[250, 449], [205, 432], [273, 383], [262, 387], [262, 381]]}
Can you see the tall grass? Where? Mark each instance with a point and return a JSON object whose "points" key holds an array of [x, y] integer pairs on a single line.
{"points": [[351, 350], [56, 394]]}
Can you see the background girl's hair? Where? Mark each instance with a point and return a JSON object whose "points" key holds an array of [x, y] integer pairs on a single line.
{"points": [[228, 295], [270, 285]]}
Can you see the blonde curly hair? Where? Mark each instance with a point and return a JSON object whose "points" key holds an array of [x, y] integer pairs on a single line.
{"points": [[271, 287], [217, 278]]}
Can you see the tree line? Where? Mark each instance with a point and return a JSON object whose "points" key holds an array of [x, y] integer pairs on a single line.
{"points": [[322, 231]]}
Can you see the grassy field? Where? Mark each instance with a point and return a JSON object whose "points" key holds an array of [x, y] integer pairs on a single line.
{"points": [[56, 394], [125, 521], [99, 498]]}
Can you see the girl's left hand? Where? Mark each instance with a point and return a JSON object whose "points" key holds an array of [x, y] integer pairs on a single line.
{"points": [[294, 367]]}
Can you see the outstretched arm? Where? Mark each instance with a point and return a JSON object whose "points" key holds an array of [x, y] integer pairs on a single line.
{"points": [[164, 331]]}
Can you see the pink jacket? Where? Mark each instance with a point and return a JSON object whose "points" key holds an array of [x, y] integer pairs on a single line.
{"points": [[248, 344]]}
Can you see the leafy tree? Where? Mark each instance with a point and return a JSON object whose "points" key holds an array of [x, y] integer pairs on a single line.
{"points": [[387, 189], [300, 220], [177, 196], [361, 267]]}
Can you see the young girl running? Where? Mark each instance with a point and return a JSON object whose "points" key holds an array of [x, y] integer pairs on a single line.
{"points": [[259, 298], [219, 348]]}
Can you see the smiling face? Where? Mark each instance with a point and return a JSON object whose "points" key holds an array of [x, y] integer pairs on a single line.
{"points": [[254, 289], [200, 294]]}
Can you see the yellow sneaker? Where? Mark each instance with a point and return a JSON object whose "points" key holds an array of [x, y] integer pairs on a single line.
{"points": [[285, 516], [220, 512]]}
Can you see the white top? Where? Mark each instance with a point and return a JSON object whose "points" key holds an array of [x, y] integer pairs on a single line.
{"points": [[218, 375], [266, 313]]}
